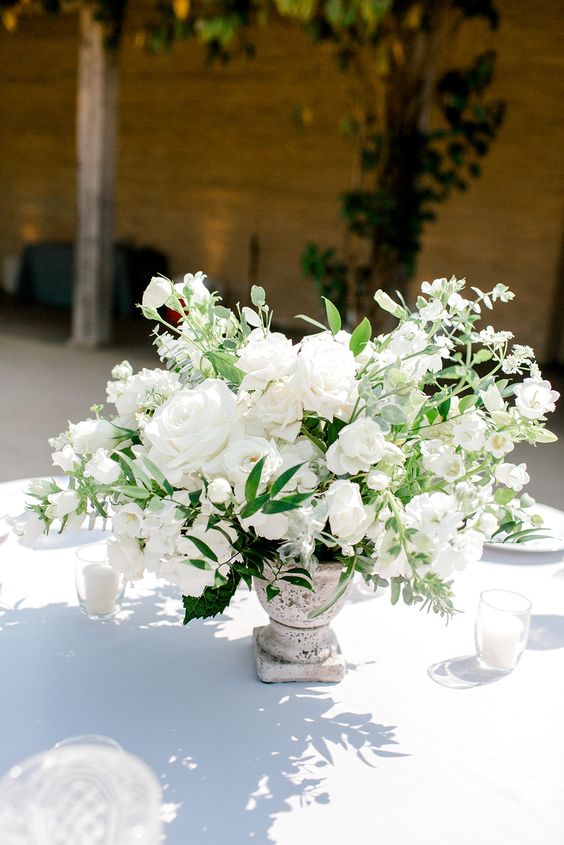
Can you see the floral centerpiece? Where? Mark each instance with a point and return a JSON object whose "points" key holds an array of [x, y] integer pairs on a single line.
{"points": [[248, 456]]}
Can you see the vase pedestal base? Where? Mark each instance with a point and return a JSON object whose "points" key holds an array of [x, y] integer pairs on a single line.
{"points": [[273, 670]]}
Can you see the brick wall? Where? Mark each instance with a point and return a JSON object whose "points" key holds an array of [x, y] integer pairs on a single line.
{"points": [[209, 157]]}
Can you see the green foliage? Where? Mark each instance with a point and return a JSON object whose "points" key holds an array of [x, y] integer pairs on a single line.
{"points": [[213, 600]]}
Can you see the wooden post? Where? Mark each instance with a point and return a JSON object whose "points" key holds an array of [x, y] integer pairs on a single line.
{"points": [[96, 154]]}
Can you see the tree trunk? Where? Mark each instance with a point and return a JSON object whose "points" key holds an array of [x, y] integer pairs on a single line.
{"points": [[96, 153]]}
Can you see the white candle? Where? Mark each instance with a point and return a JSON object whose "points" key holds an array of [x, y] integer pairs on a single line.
{"points": [[501, 635], [100, 589]]}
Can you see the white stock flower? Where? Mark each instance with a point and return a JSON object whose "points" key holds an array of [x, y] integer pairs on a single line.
{"points": [[279, 410], [535, 398], [349, 517], [408, 339], [464, 548], [102, 468], [434, 515], [157, 292], [359, 446], [128, 520], [28, 526], [514, 476], [66, 459], [265, 358], [219, 491], [126, 558], [469, 432], [377, 480], [191, 428], [62, 503], [195, 288], [432, 311], [445, 463], [499, 444], [325, 377], [146, 389]]}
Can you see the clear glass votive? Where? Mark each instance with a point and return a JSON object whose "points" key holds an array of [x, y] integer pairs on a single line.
{"points": [[502, 628], [98, 588]]}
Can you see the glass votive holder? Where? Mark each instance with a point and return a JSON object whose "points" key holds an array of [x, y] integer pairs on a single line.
{"points": [[502, 628], [99, 589]]}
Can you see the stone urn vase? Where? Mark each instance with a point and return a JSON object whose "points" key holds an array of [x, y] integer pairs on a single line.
{"points": [[293, 647]]}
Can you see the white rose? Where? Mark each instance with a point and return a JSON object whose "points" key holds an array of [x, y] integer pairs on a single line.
{"points": [[157, 292], [191, 428], [499, 444], [89, 435], [67, 458], [270, 526], [265, 358], [128, 520], [219, 491], [280, 410], [242, 454], [535, 398], [514, 476], [62, 503], [325, 377], [102, 468], [349, 517], [359, 446], [364, 357], [126, 558]]}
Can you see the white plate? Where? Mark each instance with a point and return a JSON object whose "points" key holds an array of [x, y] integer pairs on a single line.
{"points": [[553, 524]]}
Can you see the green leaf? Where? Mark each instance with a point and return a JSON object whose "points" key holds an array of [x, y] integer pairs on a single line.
{"points": [[202, 547], [158, 475], [213, 600], [504, 495], [393, 414], [224, 364], [253, 481], [396, 590], [279, 506], [342, 585], [311, 321], [315, 440], [481, 356], [333, 316], [360, 337], [199, 564], [132, 492], [297, 581], [280, 482], [466, 403], [271, 591], [258, 295], [133, 469], [252, 507], [444, 408], [455, 372]]}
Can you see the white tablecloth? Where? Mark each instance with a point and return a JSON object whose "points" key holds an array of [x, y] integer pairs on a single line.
{"points": [[386, 756]]}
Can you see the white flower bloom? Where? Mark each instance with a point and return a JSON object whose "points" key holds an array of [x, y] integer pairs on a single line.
{"points": [[469, 432], [194, 286], [39, 487], [217, 540], [279, 410], [89, 435], [535, 398], [377, 480], [435, 288], [325, 377], [499, 444], [62, 503], [191, 428], [464, 548], [301, 452], [147, 389], [492, 398], [265, 358], [492, 338], [126, 558], [485, 523], [241, 455], [102, 468], [191, 580], [28, 526], [359, 446], [270, 526], [128, 520], [67, 458], [349, 517], [432, 312], [433, 515], [408, 339], [364, 357], [514, 476], [388, 567], [219, 491], [123, 371], [502, 293], [157, 292]]}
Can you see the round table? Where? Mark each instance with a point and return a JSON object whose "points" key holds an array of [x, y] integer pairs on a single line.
{"points": [[388, 755]]}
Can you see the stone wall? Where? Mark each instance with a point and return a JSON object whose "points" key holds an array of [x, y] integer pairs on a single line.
{"points": [[210, 157]]}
